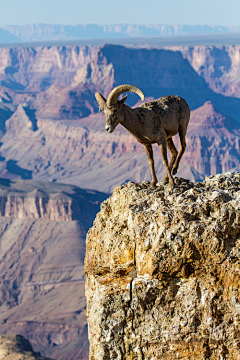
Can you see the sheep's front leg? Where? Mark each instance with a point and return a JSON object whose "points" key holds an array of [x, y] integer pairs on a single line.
{"points": [[163, 147], [149, 152]]}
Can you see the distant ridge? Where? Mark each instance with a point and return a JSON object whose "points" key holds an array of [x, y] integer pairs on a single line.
{"points": [[136, 42], [52, 32]]}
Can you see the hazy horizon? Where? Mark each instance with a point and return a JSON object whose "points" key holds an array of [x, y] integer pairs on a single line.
{"points": [[80, 12], [120, 23]]}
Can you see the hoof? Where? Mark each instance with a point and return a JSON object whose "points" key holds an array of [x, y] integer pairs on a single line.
{"points": [[165, 180], [153, 183]]}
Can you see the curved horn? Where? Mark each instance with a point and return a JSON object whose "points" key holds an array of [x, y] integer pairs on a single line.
{"points": [[117, 91]]}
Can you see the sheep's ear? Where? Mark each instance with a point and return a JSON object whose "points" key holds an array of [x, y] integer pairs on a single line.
{"points": [[101, 100], [122, 101]]}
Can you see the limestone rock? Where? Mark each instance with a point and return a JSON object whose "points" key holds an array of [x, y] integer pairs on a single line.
{"points": [[162, 272], [16, 347]]}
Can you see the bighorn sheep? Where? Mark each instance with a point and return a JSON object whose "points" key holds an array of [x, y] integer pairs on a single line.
{"points": [[152, 122]]}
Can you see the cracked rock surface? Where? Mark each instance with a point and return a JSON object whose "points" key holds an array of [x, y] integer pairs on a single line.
{"points": [[162, 272]]}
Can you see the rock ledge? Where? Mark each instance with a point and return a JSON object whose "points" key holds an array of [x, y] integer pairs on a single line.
{"points": [[163, 272]]}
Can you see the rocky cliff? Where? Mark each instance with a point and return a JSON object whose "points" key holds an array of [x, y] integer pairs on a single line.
{"points": [[162, 272]]}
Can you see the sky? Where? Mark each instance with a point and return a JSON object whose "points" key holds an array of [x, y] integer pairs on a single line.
{"points": [[72, 12]]}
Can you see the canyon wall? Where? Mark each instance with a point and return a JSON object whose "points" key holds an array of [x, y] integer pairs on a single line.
{"points": [[188, 70], [219, 66], [81, 152], [36, 68], [47, 99], [162, 272], [43, 227]]}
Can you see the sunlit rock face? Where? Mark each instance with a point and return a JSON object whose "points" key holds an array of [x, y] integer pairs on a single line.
{"points": [[162, 272]]}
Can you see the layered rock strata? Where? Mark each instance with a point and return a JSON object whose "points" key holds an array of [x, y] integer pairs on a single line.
{"points": [[162, 272], [46, 200], [89, 157]]}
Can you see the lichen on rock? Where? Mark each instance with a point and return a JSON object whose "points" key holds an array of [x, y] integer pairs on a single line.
{"points": [[162, 272]]}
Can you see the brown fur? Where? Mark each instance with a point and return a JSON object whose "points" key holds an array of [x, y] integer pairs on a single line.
{"points": [[152, 122]]}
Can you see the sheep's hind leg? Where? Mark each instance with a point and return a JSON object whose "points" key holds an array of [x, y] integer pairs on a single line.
{"points": [[182, 135], [174, 154], [168, 178], [149, 152]]}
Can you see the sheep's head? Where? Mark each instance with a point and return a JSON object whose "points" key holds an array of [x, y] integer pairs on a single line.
{"points": [[112, 107], [114, 114]]}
